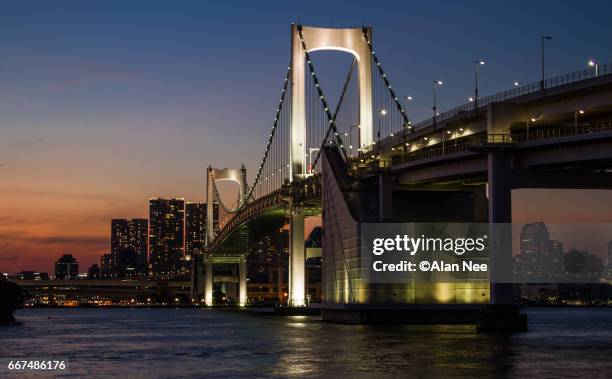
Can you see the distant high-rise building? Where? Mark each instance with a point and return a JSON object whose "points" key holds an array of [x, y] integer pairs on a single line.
{"points": [[540, 259], [130, 234], [534, 238], [93, 272], [195, 227], [140, 244], [315, 238], [607, 275], [268, 262], [215, 217], [166, 235], [66, 267], [32, 275], [127, 263], [106, 267]]}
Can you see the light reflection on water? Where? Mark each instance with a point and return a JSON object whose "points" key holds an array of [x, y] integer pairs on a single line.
{"points": [[196, 343]]}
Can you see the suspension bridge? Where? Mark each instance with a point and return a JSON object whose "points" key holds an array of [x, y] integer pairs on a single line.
{"points": [[287, 183], [365, 161]]}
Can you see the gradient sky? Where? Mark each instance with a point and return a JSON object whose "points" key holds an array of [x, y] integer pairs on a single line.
{"points": [[106, 104]]}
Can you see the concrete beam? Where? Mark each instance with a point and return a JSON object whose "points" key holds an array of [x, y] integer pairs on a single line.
{"points": [[561, 179]]}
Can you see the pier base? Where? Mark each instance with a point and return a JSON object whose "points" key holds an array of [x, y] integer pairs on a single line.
{"points": [[400, 314], [501, 318]]}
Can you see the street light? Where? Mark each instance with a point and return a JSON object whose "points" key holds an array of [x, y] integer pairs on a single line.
{"points": [[436, 83], [532, 119], [477, 63], [542, 55], [593, 63], [576, 113], [406, 100], [444, 140], [517, 83]]}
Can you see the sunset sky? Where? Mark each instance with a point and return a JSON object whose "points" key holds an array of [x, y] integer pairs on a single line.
{"points": [[106, 104]]}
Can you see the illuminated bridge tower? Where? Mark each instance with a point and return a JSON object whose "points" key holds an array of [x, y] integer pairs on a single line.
{"points": [[214, 175], [350, 40]]}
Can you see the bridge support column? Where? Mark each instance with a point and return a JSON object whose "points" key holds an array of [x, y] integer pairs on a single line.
{"points": [[385, 197], [502, 315], [280, 284], [208, 282], [480, 205], [500, 213], [297, 259], [242, 282], [197, 279]]}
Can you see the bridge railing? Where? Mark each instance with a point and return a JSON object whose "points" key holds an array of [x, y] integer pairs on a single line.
{"points": [[500, 139], [560, 132], [248, 211], [467, 143], [520, 90], [304, 190], [442, 148]]}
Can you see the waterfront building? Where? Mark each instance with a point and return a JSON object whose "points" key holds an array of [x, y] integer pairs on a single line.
{"points": [[132, 235], [66, 267], [93, 272], [106, 268], [166, 236]]}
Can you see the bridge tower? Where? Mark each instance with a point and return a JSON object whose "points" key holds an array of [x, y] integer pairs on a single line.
{"points": [[349, 40], [214, 175]]}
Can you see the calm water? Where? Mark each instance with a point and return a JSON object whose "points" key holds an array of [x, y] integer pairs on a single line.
{"points": [[164, 343]]}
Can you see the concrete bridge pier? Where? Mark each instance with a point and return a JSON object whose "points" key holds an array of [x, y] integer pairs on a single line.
{"points": [[385, 197], [503, 313], [297, 258], [208, 282], [197, 279], [242, 281], [280, 284], [500, 212]]}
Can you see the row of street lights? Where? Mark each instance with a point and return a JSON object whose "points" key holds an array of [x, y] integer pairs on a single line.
{"points": [[477, 63], [481, 62]]}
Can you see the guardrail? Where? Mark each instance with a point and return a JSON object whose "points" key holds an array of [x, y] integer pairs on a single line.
{"points": [[399, 136], [302, 190], [466, 143], [493, 139], [567, 131], [517, 91], [442, 148]]}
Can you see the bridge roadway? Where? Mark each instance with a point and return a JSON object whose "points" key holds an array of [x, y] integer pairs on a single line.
{"points": [[561, 138], [519, 116], [263, 216]]}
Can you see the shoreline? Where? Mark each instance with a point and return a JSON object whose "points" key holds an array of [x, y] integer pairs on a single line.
{"points": [[230, 307]]}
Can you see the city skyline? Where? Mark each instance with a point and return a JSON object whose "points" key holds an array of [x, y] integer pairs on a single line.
{"points": [[95, 120]]}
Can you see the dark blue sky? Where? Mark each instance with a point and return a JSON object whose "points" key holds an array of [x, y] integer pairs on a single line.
{"points": [[190, 65], [105, 104]]}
